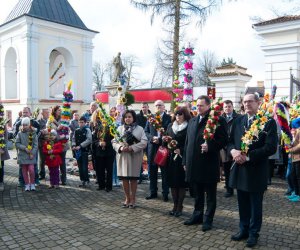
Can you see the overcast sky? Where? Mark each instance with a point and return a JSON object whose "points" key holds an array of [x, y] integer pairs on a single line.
{"points": [[228, 31]]}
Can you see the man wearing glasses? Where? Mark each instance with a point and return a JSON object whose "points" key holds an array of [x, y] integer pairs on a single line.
{"points": [[250, 173], [154, 140]]}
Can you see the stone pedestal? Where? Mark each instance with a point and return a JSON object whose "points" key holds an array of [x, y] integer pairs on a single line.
{"points": [[112, 94]]}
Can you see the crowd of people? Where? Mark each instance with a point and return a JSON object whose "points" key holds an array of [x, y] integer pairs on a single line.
{"points": [[173, 143]]}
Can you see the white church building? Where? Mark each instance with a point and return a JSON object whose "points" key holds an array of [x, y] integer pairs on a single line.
{"points": [[43, 45], [281, 45]]}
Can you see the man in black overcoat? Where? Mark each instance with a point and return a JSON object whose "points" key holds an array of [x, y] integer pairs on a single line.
{"points": [[202, 163], [230, 115], [249, 174], [154, 140]]}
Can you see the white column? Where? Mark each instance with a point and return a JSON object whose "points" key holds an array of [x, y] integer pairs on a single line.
{"points": [[87, 71], [46, 80], [33, 64], [24, 68]]}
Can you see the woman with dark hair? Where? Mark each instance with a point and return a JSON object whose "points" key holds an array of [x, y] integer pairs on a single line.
{"points": [[54, 119], [175, 140], [54, 123], [129, 155]]}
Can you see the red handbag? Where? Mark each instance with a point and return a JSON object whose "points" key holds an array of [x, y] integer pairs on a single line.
{"points": [[161, 157]]}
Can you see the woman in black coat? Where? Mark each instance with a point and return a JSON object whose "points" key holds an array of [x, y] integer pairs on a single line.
{"points": [[175, 140], [103, 152]]}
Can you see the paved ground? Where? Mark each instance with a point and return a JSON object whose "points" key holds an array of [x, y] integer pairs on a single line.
{"points": [[75, 218]]}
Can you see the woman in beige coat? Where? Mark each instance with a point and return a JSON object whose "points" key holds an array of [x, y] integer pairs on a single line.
{"points": [[130, 155]]}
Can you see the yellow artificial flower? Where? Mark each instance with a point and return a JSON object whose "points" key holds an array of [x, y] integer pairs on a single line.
{"points": [[264, 119], [49, 147], [51, 118], [29, 147], [260, 112]]}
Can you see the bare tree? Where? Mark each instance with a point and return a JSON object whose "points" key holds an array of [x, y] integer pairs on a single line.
{"points": [[159, 78], [204, 65], [98, 76], [176, 13], [286, 8], [130, 63], [109, 70]]}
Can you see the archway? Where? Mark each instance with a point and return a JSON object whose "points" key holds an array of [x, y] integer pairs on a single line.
{"points": [[11, 72], [60, 71]]}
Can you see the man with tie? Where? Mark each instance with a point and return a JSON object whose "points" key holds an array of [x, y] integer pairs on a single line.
{"points": [[202, 163], [230, 115], [154, 140], [250, 173]]}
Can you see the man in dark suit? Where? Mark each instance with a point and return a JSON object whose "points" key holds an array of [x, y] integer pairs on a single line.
{"points": [[202, 163], [230, 115], [249, 174], [154, 140]]}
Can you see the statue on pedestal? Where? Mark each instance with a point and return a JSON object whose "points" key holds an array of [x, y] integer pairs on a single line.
{"points": [[119, 68]]}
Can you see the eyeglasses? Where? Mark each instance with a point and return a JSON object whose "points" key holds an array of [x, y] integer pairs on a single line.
{"points": [[179, 113], [158, 105], [248, 101]]}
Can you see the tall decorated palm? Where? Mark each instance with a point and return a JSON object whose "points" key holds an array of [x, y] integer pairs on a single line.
{"points": [[177, 13]]}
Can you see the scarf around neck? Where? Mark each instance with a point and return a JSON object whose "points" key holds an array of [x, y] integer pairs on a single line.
{"points": [[176, 127]]}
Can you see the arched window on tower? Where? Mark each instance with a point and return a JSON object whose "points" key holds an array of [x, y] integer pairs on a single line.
{"points": [[11, 72], [57, 74], [60, 71]]}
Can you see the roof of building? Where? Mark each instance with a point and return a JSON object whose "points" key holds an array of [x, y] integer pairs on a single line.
{"points": [[230, 66], [236, 73], [58, 11], [278, 20]]}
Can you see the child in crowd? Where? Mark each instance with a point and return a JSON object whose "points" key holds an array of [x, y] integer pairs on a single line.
{"points": [[53, 149], [81, 142], [295, 153], [27, 145]]}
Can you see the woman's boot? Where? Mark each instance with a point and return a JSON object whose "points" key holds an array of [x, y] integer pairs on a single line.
{"points": [[181, 195], [174, 193]]}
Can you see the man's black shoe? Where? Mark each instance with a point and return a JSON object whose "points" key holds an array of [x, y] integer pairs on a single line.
{"points": [[227, 195], [206, 227], [42, 178], [251, 242], [151, 196], [195, 219], [165, 198], [140, 182], [239, 236]]}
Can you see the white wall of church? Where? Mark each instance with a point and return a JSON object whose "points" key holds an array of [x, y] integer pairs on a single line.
{"points": [[33, 40], [71, 44], [281, 45]]}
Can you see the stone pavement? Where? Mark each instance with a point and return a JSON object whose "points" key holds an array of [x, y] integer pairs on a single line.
{"points": [[76, 218]]}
